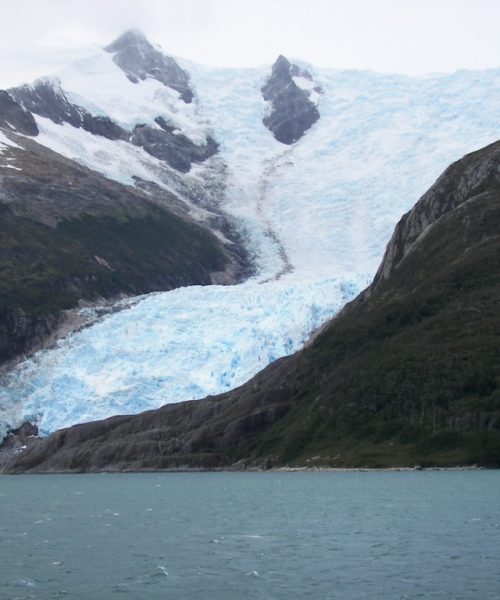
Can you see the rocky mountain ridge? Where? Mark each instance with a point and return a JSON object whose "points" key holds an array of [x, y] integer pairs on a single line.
{"points": [[47, 99], [14, 117]]}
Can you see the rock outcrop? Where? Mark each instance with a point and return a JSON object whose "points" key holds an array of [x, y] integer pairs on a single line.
{"points": [[46, 98], [292, 110], [139, 59], [463, 180], [14, 117], [171, 146]]}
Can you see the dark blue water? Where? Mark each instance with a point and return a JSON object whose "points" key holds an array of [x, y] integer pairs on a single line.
{"points": [[218, 536]]}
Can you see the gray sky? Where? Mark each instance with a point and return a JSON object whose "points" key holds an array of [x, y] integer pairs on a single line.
{"points": [[404, 36]]}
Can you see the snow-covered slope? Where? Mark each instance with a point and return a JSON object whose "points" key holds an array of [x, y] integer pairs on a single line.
{"points": [[90, 111], [316, 215]]}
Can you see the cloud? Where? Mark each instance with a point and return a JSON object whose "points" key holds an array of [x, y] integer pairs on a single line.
{"points": [[386, 35]]}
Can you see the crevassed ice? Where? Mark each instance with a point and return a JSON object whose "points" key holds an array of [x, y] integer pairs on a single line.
{"points": [[162, 351], [317, 217]]}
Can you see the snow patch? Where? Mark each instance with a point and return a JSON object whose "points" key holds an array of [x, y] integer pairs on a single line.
{"points": [[100, 86], [126, 163], [115, 159], [304, 83]]}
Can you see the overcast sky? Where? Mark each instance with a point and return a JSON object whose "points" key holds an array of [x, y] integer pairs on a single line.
{"points": [[404, 36]]}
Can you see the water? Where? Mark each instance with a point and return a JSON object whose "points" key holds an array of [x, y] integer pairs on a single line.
{"points": [[231, 536]]}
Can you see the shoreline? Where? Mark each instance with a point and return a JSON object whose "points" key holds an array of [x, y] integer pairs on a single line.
{"points": [[258, 470]]}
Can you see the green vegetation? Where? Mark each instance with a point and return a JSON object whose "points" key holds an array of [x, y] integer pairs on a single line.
{"points": [[67, 233], [44, 270], [410, 375]]}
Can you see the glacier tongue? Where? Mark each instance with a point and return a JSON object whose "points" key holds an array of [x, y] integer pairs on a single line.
{"points": [[165, 350], [317, 216]]}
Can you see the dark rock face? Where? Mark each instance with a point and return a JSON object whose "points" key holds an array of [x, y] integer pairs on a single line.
{"points": [[20, 331], [44, 98], [102, 126], [462, 180], [174, 148], [47, 99], [14, 117], [408, 374], [17, 441], [139, 59], [293, 113]]}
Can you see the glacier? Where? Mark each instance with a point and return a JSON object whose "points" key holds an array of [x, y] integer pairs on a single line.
{"points": [[315, 216]]}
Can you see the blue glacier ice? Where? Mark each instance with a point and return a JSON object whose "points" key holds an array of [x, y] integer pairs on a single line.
{"points": [[315, 216]]}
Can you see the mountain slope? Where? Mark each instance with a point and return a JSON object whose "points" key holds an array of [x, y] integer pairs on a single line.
{"points": [[131, 92], [407, 374], [72, 233], [68, 233], [313, 215]]}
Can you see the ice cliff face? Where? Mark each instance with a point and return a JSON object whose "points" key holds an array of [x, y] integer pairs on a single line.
{"points": [[315, 210]]}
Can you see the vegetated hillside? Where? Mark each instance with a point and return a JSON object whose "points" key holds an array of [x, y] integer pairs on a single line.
{"points": [[408, 374], [68, 233]]}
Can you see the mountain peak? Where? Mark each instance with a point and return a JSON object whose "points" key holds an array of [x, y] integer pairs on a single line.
{"points": [[131, 37], [139, 59], [281, 61], [282, 66]]}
